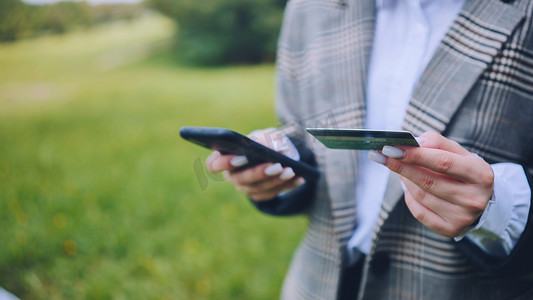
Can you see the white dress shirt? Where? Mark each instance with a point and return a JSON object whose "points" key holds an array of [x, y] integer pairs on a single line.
{"points": [[407, 34]]}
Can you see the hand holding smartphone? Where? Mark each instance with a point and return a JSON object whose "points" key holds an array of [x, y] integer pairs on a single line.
{"points": [[230, 142]]}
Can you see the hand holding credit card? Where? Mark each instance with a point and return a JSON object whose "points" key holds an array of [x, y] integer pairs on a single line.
{"points": [[362, 139]]}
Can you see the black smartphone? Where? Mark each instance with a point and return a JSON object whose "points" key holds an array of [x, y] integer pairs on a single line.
{"points": [[230, 142]]}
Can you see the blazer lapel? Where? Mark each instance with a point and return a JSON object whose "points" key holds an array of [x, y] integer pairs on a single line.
{"points": [[468, 48], [341, 166], [470, 45]]}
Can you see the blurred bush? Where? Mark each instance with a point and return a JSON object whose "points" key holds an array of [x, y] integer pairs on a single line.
{"points": [[19, 20], [216, 32], [15, 21]]}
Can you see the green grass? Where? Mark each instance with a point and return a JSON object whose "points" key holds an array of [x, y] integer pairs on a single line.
{"points": [[101, 199]]}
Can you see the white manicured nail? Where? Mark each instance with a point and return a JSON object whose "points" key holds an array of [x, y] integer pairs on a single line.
{"points": [[239, 161], [300, 181], [392, 152], [274, 169], [287, 174], [377, 157]]}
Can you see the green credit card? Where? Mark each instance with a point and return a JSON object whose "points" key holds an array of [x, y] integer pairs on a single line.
{"points": [[362, 139]]}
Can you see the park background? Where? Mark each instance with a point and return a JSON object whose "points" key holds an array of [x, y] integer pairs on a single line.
{"points": [[99, 197]]}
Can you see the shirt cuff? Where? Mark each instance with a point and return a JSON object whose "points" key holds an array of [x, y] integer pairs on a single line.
{"points": [[506, 214]]}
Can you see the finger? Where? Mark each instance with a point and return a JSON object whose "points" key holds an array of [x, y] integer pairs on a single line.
{"points": [[427, 181], [217, 162], [269, 194], [435, 140], [453, 219], [255, 174], [467, 168], [427, 217], [430, 218], [269, 184], [443, 207], [472, 197]]}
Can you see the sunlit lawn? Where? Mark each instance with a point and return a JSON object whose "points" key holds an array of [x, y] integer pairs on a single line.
{"points": [[99, 197]]}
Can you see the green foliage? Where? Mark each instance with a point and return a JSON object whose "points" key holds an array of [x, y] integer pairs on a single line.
{"points": [[61, 16], [19, 20], [100, 198], [214, 32], [14, 21]]}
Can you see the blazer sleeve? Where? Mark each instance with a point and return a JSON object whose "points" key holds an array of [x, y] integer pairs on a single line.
{"points": [[520, 261]]}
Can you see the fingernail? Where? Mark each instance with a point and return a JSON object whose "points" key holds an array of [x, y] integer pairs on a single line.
{"points": [[287, 174], [392, 152], [274, 169], [300, 181], [239, 161], [420, 140], [375, 156]]}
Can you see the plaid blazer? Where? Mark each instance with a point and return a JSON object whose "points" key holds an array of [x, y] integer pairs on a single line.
{"points": [[476, 90]]}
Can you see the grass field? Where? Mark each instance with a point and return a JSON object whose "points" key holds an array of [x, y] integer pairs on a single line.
{"points": [[99, 197]]}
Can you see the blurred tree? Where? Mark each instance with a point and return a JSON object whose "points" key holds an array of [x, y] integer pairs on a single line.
{"points": [[215, 32], [13, 20], [62, 16], [19, 20], [104, 13]]}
